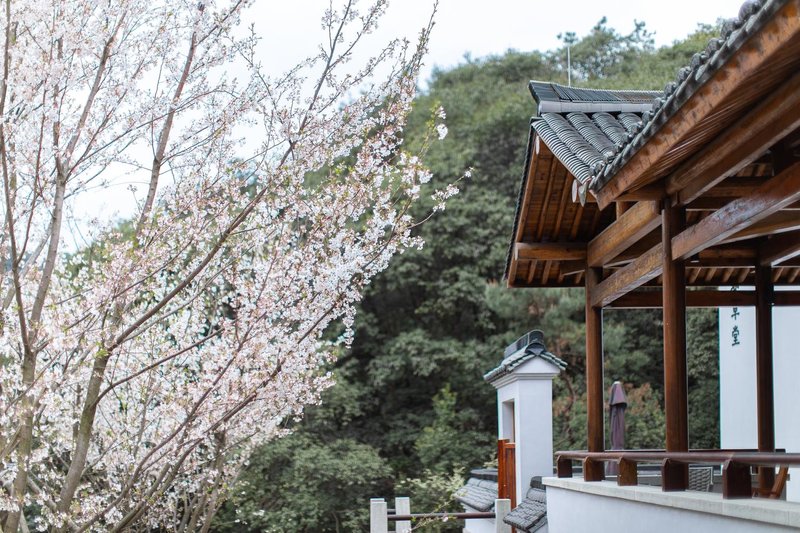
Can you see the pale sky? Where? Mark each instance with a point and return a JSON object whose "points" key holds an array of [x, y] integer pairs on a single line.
{"points": [[291, 30], [484, 27]]}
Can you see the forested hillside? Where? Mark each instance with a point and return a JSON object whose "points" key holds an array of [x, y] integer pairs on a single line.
{"points": [[410, 411]]}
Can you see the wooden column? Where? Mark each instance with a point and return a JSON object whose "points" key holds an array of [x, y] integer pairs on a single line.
{"points": [[594, 376], [764, 386], [675, 476]]}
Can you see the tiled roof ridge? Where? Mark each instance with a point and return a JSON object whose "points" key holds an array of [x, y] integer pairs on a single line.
{"points": [[556, 98], [478, 494], [531, 513], [752, 15], [533, 347], [585, 143], [595, 132]]}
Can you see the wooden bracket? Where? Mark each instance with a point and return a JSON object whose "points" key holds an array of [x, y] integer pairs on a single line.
{"points": [[736, 480], [593, 470], [674, 476], [563, 467], [627, 475]]}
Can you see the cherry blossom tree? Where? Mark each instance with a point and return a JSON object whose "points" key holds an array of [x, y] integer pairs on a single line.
{"points": [[140, 368]]}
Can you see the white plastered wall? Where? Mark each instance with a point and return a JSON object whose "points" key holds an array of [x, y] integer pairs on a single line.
{"points": [[738, 382], [530, 388]]}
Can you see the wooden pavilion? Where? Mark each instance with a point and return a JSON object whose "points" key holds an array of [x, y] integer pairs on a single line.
{"points": [[657, 199]]}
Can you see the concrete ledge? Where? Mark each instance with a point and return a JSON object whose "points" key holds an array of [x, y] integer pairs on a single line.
{"points": [[777, 512]]}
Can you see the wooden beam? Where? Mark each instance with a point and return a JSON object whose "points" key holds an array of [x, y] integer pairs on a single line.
{"points": [[780, 248], [765, 403], [779, 222], [569, 268], [640, 248], [736, 187], [740, 144], [644, 268], [654, 192], [620, 207], [725, 256], [740, 214], [594, 375], [653, 299], [675, 376], [786, 298], [512, 273], [540, 153], [712, 203], [550, 251], [761, 51], [629, 228]]}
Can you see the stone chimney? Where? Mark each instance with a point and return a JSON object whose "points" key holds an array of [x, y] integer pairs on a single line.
{"points": [[524, 383]]}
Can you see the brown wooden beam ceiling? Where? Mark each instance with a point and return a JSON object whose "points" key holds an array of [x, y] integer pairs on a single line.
{"points": [[631, 226], [738, 215], [761, 51], [780, 248], [710, 298], [739, 145], [550, 251], [641, 270]]}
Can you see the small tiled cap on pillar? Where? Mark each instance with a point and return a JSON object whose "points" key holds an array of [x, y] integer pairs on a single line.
{"points": [[524, 383]]}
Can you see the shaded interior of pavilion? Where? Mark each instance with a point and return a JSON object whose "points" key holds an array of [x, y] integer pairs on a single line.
{"points": [[665, 200]]}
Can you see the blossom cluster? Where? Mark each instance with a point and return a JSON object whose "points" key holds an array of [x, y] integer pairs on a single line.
{"points": [[141, 368]]}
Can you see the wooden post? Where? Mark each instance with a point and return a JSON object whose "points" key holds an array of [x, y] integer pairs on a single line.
{"points": [[378, 516], [511, 473], [502, 489], [402, 506], [675, 385], [502, 507], [628, 475], [736, 480], [594, 376], [764, 383]]}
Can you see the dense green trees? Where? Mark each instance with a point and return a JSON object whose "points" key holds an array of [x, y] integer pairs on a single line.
{"points": [[410, 406]]}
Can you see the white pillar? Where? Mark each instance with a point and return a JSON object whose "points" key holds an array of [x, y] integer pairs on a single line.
{"points": [[402, 505], [501, 509], [378, 513], [524, 383]]}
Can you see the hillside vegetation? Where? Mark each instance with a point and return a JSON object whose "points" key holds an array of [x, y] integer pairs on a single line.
{"points": [[410, 411]]}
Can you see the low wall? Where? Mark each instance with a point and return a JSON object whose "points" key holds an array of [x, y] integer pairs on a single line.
{"points": [[483, 525], [575, 506]]}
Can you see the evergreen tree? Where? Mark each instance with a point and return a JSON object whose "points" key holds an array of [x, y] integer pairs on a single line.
{"points": [[410, 403]]}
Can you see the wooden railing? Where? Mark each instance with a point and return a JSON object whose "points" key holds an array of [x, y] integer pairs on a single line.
{"points": [[736, 466], [380, 516], [506, 471]]}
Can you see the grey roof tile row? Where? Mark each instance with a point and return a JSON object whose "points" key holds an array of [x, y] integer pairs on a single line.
{"points": [[531, 513], [578, 125], [478, 494], [753, 15], [526, 348], [586, 143]]}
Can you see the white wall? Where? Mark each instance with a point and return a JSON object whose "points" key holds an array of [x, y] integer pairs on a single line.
{"points": [[487, 525], [531, 390], [738, 383], [483, 525], [573, 511]]}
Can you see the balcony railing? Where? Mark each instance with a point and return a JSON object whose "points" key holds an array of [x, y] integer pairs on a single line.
{"points": [[736, 466]]}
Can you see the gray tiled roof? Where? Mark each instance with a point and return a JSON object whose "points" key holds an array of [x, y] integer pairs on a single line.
{"points": [[586, 142], [595, 132], [478, 494], [556, 98], [531, 513], [524, 349]]}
